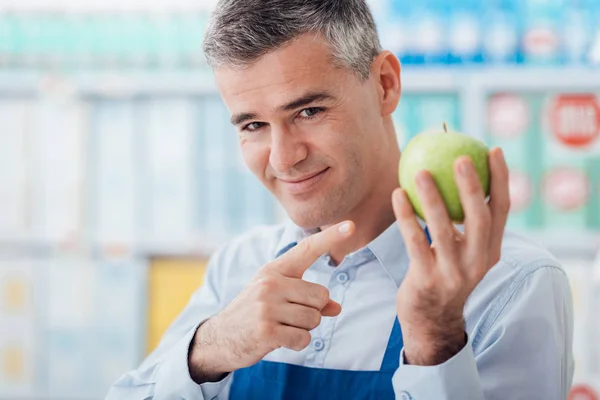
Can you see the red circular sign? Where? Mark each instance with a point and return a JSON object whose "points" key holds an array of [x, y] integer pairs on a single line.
{"points": [[583, 392], [566, 188], [575, 119], [508, 115]]}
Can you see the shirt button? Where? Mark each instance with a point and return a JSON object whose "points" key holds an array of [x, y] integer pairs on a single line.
{"points": [[343, 277], [319, 344], [405, 396]]}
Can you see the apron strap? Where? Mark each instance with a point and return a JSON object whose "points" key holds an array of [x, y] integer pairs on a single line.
{"points": [[427, 234], [391, 358]]}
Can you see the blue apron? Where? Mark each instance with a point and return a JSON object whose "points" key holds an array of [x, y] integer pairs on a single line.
{"points": [[268, 380]]}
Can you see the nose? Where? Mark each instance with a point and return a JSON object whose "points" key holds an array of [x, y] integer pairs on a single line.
{"points": [[287, 150]]}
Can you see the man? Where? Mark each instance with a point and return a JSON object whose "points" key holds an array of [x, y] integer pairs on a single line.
{"points": [[349, 300]]}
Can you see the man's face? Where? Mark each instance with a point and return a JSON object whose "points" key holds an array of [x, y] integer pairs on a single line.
{"points": [[311, 132]]}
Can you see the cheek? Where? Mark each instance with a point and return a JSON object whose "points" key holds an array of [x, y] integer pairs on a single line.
{"points": [[346, 142], [256, 157]]}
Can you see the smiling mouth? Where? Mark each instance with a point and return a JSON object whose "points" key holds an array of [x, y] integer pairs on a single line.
{"points": [[303, 179], [305, 184]]}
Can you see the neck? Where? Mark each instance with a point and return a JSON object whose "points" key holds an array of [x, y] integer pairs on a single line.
{"points": [[373, 215]]}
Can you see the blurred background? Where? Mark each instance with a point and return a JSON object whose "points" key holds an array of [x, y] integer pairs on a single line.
{"points": [[120, 173]]}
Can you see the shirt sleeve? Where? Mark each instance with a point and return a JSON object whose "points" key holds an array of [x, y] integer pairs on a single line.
{"points": [[164, 374], [525, 354]]}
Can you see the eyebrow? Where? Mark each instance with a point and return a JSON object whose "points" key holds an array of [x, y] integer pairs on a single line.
{"points": [[305, 100]]}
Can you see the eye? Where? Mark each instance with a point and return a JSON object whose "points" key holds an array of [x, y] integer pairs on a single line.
{"points": [[254, 126], [310, 112]]}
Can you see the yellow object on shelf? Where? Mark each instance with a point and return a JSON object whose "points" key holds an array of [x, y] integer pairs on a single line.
{"points": [[13, 364], [170, 285], [14, 295]]}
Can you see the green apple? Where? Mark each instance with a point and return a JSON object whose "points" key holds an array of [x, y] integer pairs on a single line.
{"points": [[436, 152]]}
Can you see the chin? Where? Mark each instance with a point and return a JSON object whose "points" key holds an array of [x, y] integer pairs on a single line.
{"points": [[310, 216]]}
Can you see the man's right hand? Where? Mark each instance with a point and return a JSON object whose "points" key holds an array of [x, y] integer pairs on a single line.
{"points": [[276, 309]]}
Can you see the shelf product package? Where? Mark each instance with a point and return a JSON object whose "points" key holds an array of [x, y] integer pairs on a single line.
{"points": [[465, 32], [569, 132], [541, 38], [114, 181], [18, 328], [168, 128], [500, 38], [15, 161], [58, 173], [510, 126]]}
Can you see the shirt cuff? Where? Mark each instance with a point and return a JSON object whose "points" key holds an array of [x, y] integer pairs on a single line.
{"points": [[173, 380], [457, 378]]}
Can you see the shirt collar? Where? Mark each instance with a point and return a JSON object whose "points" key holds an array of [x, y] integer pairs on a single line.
{"points": [[292, 235], [390, 251], [388, 248]]}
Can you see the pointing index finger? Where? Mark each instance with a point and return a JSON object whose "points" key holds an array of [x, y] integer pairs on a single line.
{"points": [[297, 260]]}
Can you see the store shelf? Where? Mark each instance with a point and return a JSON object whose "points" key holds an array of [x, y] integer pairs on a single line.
{"points": [[564, 246], [426, 79], [472, 85], [201, 246]]}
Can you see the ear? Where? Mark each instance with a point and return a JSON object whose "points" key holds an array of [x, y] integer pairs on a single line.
{"points": [[385, 70]]}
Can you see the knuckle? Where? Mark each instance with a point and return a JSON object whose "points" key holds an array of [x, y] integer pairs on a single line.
{"points": [[266, 285], [266, 330], [305, 339], [314, 318], [472, 189], [264, 311], [321, 294], [305, 246], [424, 250], [301, 341], [416, 239], [472, 186], [483, 219], [455, 283], [271, 267], [267, 268], [428, 286], [448, 232], [487, 216]]}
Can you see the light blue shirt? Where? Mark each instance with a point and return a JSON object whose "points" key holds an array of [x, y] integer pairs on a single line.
{"points": [[519, 321]]}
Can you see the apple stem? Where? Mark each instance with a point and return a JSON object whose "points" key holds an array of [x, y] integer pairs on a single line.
{"points": [[445, 128]]}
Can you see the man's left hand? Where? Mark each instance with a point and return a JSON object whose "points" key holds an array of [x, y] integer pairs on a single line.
{"points": [[441, 276]]}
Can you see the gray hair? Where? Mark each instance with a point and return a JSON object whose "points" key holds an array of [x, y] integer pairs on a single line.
{"points": [[242, 31]]}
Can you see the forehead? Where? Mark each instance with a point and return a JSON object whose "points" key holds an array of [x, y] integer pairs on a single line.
{"points": [[304, 65]]}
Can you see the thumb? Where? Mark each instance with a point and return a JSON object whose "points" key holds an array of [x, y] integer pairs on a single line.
{"points": [[331, 309]]}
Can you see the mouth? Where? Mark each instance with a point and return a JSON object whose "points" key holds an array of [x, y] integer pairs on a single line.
{"points": [[305, 184]]}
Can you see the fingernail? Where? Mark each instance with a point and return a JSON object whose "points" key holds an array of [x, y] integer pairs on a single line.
{"points": [[344, 228], [499, 154], [398, 196]]}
